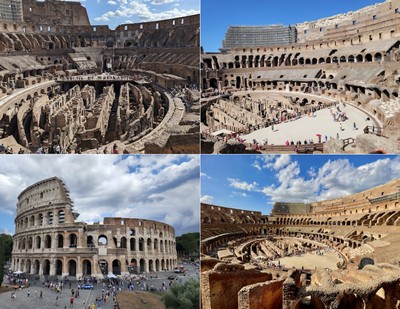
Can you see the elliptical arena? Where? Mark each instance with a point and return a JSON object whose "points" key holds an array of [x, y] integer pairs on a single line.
{"points": [[348, 61], [353, 244], [49, 242], [87, 88]]}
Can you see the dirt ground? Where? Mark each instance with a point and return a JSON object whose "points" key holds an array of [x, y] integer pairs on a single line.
{"points": [[5, 288], [139, 300]]}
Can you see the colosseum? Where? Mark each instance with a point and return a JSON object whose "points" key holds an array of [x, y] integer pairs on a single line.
{"points": [[351, 245], [49, 242], [87, 87], [272, 80]]}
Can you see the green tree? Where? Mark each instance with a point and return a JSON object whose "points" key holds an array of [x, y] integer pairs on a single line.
{"points": [[6, 244], [1, 263], [188, 243], [183, 296]]}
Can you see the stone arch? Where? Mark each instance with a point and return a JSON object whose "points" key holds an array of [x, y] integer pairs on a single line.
{"points": [[123, 243], [60, 241], [47, 242], [368, 58], [116, 267], [46, 267], [73, 240], [377, 57], [103, 264], [86, 268], [133, 244], [134, 265], [102, 240], [59, 267], [142, 263], [38, 242], [141, 244], [157, 265], [72, 268], [151, 266], [36, 267]]}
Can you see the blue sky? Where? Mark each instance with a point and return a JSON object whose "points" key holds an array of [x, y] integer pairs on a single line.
{"points": [[116, 12], [256, 182], [149, 187], [217, 16]]}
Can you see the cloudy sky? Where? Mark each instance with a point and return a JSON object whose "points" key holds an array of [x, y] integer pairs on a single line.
{"points": [[257, 182], [116, 12], [162, 188]]}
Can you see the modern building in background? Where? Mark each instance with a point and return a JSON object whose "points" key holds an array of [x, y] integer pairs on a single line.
{"points": [[11, 10], [255, 36]]}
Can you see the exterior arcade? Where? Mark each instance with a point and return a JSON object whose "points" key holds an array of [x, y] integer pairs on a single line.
{"points": [[50, 242]]}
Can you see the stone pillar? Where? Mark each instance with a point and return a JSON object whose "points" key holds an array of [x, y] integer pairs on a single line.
{"points": [[79, 271], [52, 267]]}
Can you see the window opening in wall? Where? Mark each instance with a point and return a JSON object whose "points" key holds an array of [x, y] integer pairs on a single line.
{"points": [[374, 17], [354, 22], [141, 26], [126, 28], [157, 26], [173, 23], [396, 11]]}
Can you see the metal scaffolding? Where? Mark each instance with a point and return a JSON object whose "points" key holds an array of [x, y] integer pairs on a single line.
{"points": [[11, 10], [259, 36]]}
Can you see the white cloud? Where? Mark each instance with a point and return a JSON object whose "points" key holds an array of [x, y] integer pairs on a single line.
{"points": [[242, 185], [164, 188], [336, 178], [204, 175], [112, 2], [160, 2], [143, 12], [206, 199]]}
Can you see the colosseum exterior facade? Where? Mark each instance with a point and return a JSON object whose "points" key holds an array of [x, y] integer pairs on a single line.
{"points": [[49, 241], [240, 249], [351, 57]]}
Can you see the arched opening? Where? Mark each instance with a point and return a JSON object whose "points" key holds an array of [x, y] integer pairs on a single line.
{"points": [[378, 57], [368, 58], [60, 241], [47, 243], [157, 265], [123, 242], [38, 242], [133, 244], [86, 268], [58, 268], [141, 244], [73, 241], [90, 241], [72, 268], [133, 266], [36, 267], [46, 267], [142, 265], [151, 267], [149, 246], [103, 264], [102, 240], [116, 267]]}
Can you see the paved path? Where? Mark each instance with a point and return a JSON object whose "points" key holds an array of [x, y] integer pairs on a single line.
{"points": [[307, 127], [86, 297]]}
